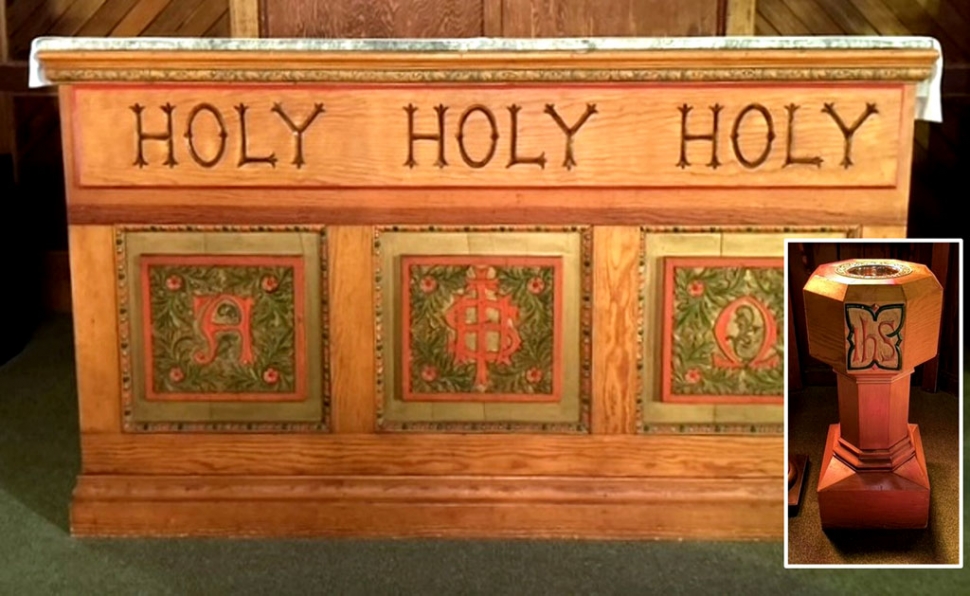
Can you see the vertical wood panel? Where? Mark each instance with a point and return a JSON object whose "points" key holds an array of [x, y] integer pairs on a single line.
{"points": [[350, 271], [244, 18], [565, 18], [616, 290], [740, 18], [95, 327], [492, 17], [372, 18]]}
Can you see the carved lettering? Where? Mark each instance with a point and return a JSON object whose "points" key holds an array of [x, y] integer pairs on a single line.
{"points": [[473, 163], [790, 158], [874, 335], [190, 135], [413, 136], [244, 156], [141, 136], [686, 137], [769, 138], [849, 131], [298, 129], [514, 158], [220, 314], [570, 131]]}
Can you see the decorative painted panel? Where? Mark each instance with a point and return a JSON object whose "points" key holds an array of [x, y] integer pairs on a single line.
{"points": [[685, 389], [723, 330], [223, 328], [483, 329]]}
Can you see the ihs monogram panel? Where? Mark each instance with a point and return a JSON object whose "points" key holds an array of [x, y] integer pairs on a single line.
{"points": [[223, 328], [483, 329]]}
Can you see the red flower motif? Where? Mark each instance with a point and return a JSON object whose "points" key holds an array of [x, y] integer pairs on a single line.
{"points": [[176, 375], [693, 376], [173, 283], [270, 283], [271, 376], [429, 373], [533, 375], [428, 284], [536, 285], [696, 288]]}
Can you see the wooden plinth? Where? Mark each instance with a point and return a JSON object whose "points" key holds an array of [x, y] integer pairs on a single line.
{"points": [[888, 499], [413, 506]]}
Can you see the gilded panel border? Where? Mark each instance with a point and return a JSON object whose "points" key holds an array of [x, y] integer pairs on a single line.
{"points": [[125, 337], [585, 335], [528, 75]]}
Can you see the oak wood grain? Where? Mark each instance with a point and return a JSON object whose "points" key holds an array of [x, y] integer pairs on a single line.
{"points": [[624, 135], [616, 303], [244, 18], [370, 18], [883, 209], [593, 507], [740, 17], [610, 18], [656, 456], [352, 338], [95, 327]]}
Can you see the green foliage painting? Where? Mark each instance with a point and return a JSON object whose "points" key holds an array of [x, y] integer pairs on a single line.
{"points": [[220, 327], [482, 328], [725, 324]]}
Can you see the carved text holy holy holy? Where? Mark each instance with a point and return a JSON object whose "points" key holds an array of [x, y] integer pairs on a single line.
{"points": [[436, 125]]}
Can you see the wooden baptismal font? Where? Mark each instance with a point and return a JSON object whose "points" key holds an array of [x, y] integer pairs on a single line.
{"points": [[482, 287], [873, 321]]}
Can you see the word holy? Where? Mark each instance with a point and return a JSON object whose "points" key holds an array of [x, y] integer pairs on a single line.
{"points": [[207, 110], [756, 112], [482, 112]]}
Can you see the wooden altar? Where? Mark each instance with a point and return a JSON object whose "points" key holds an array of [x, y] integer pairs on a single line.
{"points": [[455, 288]]}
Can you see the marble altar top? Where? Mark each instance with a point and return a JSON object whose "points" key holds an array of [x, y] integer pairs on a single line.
{"points": [[928, 91]]}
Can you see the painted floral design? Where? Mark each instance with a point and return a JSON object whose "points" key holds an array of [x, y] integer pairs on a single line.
{"points": [[198, 316], [454, 306], [728, 334]]}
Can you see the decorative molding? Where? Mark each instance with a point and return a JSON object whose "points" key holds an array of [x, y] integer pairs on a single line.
{"points": [[530, 75]]}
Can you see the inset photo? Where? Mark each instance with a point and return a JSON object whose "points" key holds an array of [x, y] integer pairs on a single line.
{"points": [[873, 420]]}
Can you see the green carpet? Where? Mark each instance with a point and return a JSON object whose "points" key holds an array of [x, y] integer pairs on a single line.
{"points": [[39, 458]]}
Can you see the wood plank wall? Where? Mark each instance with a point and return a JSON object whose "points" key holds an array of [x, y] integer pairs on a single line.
{"points": [[27, 19], [503, 18]]}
